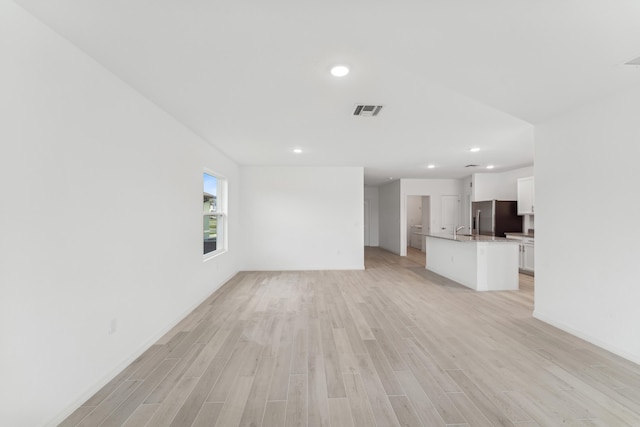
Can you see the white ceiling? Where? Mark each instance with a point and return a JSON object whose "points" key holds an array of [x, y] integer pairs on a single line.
{"points": [[252, 77]]}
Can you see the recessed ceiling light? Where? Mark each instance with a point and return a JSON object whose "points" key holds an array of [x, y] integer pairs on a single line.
{"points": [[490, 167], [431, 166], [340, 70], [390, 178], [474, 149], [297, 150]]}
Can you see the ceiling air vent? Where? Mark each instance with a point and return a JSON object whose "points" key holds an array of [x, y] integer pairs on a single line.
{"points": [[633, 61], [366, 110]]}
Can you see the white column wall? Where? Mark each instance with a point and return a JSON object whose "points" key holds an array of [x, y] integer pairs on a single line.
{"points": [[391, 231], [101, 221], [587, 231]]}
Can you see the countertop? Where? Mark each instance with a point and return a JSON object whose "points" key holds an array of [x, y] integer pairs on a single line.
{"points": [[531, 235], [470, 238]]}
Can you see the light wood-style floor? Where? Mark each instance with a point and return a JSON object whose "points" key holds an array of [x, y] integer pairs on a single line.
{"points": [[389, 346]]}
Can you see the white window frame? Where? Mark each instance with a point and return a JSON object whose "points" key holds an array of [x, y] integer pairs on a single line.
{"points": [[220, 213]]}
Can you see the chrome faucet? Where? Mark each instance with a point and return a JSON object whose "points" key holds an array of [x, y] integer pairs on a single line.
{"points": [[455, 231]]}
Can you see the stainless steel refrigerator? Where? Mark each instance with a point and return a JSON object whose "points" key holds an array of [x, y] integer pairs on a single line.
{"points": [[495, 217]]}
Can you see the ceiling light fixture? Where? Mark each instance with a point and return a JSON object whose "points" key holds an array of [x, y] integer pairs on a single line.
{"points": [[474, 149], [340, 70], [297, 150], [490, 167], [431, 166]]}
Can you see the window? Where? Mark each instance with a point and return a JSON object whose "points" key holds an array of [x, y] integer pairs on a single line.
{"points": [[214, 214]]}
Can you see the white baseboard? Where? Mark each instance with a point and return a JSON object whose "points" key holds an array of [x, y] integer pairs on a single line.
{"points": [[122, 365], [304, 268], [587, 337]]}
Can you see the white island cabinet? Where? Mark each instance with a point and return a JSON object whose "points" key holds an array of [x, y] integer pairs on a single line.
{"points": [[526, 251], [478, 262]]}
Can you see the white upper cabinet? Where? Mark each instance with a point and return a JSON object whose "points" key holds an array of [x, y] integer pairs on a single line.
{"points": [[526, 196]]}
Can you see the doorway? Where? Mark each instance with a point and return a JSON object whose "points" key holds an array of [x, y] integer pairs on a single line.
{"points": [[414, 222], [417, 221]]}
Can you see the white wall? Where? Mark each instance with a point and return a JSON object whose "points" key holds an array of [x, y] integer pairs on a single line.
{"points": [[436, 188], [587, 238], [100, 219], [302, 218], [371, 194], [498, 186], [391, 231]]}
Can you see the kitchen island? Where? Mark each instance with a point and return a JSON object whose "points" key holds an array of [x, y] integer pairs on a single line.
{"points": [[482, 263]]}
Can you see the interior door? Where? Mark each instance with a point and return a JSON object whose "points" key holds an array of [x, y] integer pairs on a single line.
{"points": [[449, 217]]}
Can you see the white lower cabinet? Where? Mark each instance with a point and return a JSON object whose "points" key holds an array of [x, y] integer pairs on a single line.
{"points": [[416, 241], [521, 259], [526, 256]]}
